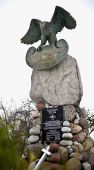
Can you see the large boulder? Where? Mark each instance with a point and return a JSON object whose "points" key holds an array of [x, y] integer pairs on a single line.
{"points": [[60, 85]]}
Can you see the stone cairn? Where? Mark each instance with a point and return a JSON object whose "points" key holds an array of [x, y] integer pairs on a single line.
{"points": [[60, 85]]}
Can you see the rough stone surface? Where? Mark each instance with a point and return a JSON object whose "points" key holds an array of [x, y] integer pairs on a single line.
{"points": [[72, 164], [84, 123], [65, 142], [69, 112], [33, 139], [35, 130], [32, 165], [63, 154], [86, 166], [75, 148], [88, 144], [91, 157], [36, 121], [80, 147], [67, 136], [58, 86], [75, 128], [80, 137], [66, 124], [65, 129]]}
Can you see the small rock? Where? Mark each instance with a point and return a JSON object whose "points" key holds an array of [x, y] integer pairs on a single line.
{"points": [[76, 143], [72, 164], [65, 129], [75, 148], [33, 139], [35, 114], [54, 147], [32, 165], [51, 166], [91, 158], [84, 123], [63, 154], [67, 136], [55, 158], [86, 166], [75, 128], [88, 144], [76, 121], [36, 121], [40, 105], [35, 130], [70, 150], [80, 147], [66, 124], [76, 155], [69, 112], [80, 137], [65, 142]]}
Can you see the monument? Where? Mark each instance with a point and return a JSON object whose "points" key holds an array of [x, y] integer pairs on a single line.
{"points": [[60, 127]]}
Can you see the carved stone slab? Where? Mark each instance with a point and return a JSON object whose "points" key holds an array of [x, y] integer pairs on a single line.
{"points": [[48, 57]]}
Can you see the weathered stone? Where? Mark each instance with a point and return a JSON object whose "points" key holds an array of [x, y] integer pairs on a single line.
{"points": [[67, 136], [88, 144], [54, 147], [34, 152], [84, 123], [80, 147], [36, 121], [70, 150], [65, 129], [66, 124], [72, 164], [55, 158], [75, 128], [91, 158], [76, 156], [40, 105], [51, 166], [33, 139], [58, 86], [86, 166], [35, 114], [76, 121], [80, 137], [75, 148], [35, 130], [64, 156], [69, 112], [32, 165], [65, 142], [81, 112]]}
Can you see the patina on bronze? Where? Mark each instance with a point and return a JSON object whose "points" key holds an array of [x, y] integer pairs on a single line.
{"points": [[44, 31], [48, 57], [52, 122]]}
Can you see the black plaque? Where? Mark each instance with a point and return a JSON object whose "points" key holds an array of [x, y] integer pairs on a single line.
{"points": [[52, 122]]}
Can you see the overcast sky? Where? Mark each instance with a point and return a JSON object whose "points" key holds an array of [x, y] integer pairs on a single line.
{"points": [[15, 17]]}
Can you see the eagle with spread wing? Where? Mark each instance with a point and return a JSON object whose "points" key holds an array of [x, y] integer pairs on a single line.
{"points": [[44, 31]]}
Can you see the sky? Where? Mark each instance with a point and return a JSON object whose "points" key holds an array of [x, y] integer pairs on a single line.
{"points": [[15, 17]]}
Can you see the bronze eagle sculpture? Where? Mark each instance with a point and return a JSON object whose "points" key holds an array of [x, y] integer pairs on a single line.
{"points": [[44, 31]]}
